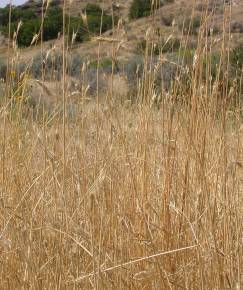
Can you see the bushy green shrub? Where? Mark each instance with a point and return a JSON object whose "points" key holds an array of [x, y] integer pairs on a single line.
{"points": [[16, 15], [76, 25], [32, 23], [105, 65], [140, 8], [95, 17], [143, 8], [53, 23], [27, 31]]}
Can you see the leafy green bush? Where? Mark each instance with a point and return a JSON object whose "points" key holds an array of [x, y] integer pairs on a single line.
{"points": [[30, 27], [95, 17], [27, 31], [16, 15], [105, 64], [32, 23], [76, 25], [53, 23], [140, 8]]}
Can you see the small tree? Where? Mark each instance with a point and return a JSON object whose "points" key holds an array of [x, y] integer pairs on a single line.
{"points": [[95, 17], [140, 8], [143, 8]]}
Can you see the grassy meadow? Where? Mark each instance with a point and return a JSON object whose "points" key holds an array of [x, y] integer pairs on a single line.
{"points": [[121, 186]]}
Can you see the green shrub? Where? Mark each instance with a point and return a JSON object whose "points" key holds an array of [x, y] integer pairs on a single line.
{"points": [[76, 25], [143, 8], [96, 17], [104, 63], [16, 15], [140, 8], [93, 9], [32, 23], [27, 31], [53, 23]]}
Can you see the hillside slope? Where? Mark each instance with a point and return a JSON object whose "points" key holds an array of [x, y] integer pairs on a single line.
{"points": [[167, 22]]}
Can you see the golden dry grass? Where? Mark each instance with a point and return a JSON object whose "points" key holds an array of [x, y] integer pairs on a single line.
{"points": [[124, 195], [138, 183]]}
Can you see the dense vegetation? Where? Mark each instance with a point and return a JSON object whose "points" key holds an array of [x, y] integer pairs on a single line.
{"points": [[52, 25], [142, 8], [94, 17]]}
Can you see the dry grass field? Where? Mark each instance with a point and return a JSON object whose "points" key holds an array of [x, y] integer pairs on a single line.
{"points": [[143, 191]]}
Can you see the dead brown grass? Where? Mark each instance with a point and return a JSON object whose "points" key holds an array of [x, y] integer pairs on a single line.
{"points": [[124, 195]]}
